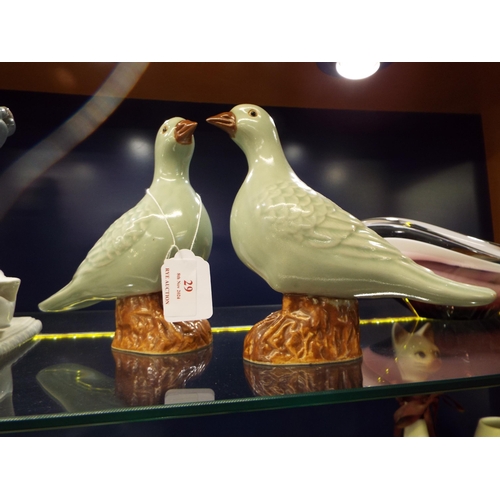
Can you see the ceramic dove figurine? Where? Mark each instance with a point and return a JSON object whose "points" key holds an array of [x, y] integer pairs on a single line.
{"points": [[7, 124], [300, 242], [126, 260]]}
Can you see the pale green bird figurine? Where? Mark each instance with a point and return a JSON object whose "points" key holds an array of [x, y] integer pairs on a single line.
{"points": [[301, 242], [127, 259]]}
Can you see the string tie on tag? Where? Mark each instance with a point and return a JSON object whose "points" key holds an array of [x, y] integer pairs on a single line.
{"points": [[170, 250]]}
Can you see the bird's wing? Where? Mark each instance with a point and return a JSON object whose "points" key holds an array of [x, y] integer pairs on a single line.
{"points": [[292, 209], [122, 235]]}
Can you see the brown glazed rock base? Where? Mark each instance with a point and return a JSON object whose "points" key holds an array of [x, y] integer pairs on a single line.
{"points": [[307, 330], [141, 328], [144, 380], [278, 380]]}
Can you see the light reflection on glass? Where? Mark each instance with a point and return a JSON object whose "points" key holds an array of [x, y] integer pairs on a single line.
{"points": [[294, 152], [35, 162], [335, 174], [140, 148]]}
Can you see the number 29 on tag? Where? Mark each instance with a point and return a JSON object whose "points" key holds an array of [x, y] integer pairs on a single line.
{"points": [[186, 289]]}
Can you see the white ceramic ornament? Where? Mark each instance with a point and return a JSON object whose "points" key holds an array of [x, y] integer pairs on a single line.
{"points": [[417, 429], [301, 242], [126, 261], [8, 295], [7, 124], [488, 427], [13, 331]]}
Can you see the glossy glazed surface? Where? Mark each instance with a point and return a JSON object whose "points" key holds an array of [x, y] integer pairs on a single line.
{"points": [[7, 124], [8, 294], [301, 242], [307, 330], [20, 330], [360, 160], [127, 259], [488, 427]]}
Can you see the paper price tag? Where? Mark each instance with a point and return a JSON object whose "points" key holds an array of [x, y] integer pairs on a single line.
{"points": [[186, 288]]}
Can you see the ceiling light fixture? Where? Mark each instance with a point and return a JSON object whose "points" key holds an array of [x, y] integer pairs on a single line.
{"points": [[351, 70], [357, 70]]}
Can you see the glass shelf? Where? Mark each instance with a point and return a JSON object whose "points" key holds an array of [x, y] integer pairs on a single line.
{"points": [[68, 375]]}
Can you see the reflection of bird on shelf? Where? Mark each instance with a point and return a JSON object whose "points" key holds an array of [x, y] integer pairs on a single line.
{"points": [[301, 242], [144, 380], [7, 124], [79, 388], [278, 380], [126, 261]]}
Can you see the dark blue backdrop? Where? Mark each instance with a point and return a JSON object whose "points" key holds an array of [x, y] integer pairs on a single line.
{"points": [[429, 167]]}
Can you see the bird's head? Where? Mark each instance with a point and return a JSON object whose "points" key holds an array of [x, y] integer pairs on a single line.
{"points": [[175, 136], [176, 131], [249, 126]]}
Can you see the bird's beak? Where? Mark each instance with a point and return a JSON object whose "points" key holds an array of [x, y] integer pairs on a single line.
{"points": [[184, 131], [225, 121]]}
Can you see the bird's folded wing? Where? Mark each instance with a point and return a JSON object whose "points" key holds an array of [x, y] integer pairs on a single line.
{"points": [[121, 236], [292, 210]]}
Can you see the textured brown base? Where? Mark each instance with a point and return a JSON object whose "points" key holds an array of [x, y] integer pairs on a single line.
{"points": [[141, 328], [144, 380], [280, 380], [307, 330]]}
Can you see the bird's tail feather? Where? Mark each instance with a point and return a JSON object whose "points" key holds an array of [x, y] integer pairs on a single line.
{"points": [[432, 288], [66, 300]]}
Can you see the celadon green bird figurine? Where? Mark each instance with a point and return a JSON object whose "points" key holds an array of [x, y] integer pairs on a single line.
{"points": [[299, 241], [311, 250], [126, 260]]}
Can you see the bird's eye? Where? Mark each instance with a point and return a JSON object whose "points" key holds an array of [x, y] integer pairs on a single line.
{"points": [[253, 113], [164, 129]]}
